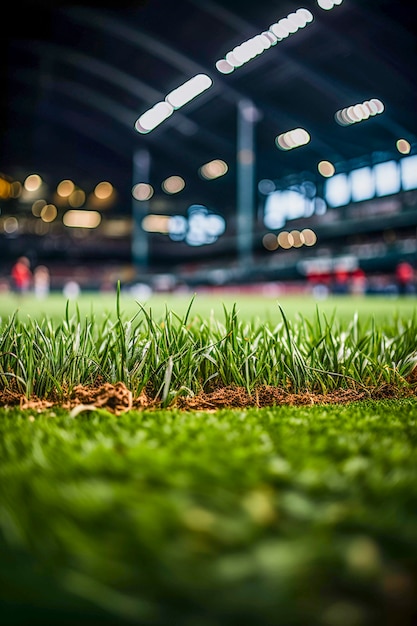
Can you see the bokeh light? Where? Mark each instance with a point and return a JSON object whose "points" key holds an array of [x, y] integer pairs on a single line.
{"points": [[403, 146], [326, 168], [142, 191]]}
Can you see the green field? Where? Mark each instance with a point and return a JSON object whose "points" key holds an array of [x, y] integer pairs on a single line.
{"points": [[274, 516], [249, 307], [285, 515]]}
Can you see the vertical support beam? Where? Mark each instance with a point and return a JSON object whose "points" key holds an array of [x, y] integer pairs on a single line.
{"points": [[247, 116], [140, 174]]}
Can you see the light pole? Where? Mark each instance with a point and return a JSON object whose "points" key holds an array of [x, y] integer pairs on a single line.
{"points": [[247, 116], [140, 173]]}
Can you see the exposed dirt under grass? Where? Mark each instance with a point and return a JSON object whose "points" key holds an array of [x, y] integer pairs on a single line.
{"points": [[117, 398]]}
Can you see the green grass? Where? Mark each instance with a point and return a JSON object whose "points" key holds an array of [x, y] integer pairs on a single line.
{"points": [[175, 354], [382, 308], [282, 515]]}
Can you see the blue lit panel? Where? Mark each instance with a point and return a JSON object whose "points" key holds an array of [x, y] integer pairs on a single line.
{"points": [[409, 172], [387, 178], [281, 206], [337, 190], [362, 184]]}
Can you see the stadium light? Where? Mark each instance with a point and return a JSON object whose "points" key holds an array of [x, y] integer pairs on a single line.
{"points": [[173, 100], [188, 90], [256, 45]]}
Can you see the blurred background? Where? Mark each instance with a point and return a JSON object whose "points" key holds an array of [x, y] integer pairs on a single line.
{"points": [[199, 144]]}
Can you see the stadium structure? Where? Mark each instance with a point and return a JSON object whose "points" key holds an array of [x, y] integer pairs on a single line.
{"points": [[210, 144]]}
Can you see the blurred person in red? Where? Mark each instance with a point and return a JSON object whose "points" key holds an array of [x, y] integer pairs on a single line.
{"points": [[358, 282], [21, 275], [404, 273]]}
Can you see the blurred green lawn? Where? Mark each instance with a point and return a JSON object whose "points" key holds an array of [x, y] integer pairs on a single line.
{"points": [[249, 307]]}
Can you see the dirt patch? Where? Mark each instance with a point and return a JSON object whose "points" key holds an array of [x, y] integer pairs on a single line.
{"points": [[117, 398]]}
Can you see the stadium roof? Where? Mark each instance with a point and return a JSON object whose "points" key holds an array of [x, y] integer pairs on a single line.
{"points": [[78, 76]]}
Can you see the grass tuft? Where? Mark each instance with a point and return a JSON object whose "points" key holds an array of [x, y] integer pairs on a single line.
{"points": [[175, 354]]}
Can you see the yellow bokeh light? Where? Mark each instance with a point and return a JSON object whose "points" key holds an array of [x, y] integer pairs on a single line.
{"points": [[309, 237], [142, 191], [173, 184], [15, 189], [270, 241], [156, 223], [81, 219], [298, 238], [65, 188], [77, 198], [10, 225], [103, 190], [326, 168], [403, 146], [48, 213], [33, 182], [285, 240], [4, 189], [37, 207], [213, 169]]}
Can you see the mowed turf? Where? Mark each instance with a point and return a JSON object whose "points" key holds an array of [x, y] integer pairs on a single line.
{"points": [[286, 515], [249, 307]]}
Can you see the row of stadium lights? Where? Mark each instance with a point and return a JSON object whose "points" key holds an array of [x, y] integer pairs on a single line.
{"points": [[236, 58], [287, 240], [345, 117], [239, 56], [278, 31], [255, 46]]}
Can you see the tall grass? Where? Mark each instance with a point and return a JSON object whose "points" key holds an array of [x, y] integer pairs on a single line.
{"points": [[173, 354]]}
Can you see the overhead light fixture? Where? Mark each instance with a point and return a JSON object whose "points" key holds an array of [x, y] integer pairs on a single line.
{"points": [[292, 139], [256, 45], [359, 112], [326, 168], [173, 184], [327, 5], [188, 91], [403, 146], [173, 100], [213, 169], [153, 117]]}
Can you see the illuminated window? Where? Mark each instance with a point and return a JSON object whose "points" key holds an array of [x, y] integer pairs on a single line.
{"points": [[387, 178], [283, 205], [337, 190], [362, 184], [409, 172]]}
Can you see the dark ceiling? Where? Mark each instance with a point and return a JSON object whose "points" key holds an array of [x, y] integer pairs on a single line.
{"points": [[76, 77]]}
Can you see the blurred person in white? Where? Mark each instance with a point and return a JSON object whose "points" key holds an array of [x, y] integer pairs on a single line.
{"points": [[41, 281]]}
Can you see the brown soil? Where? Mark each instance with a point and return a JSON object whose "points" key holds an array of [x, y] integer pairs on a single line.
{"points": [[118, 398]]}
